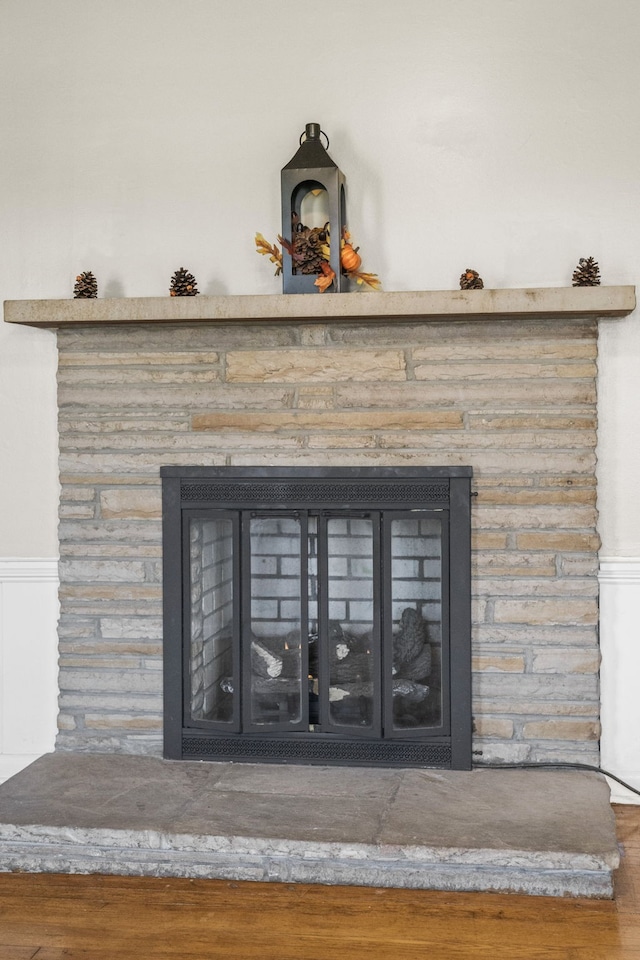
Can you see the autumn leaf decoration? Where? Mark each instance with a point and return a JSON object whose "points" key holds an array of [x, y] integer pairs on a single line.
{"points": [[326, 278], [269, 250], [319, 255]]}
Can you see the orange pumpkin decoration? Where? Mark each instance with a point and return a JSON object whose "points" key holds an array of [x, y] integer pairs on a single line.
{"points": [[350, 258]]}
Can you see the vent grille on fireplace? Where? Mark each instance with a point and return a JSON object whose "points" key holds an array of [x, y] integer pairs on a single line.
{"points": [[317, 491], [280, 749]]}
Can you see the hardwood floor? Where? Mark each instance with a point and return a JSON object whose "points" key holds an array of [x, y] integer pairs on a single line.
{"points": [[51, 917]]}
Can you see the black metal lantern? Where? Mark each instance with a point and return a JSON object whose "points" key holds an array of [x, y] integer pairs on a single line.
{"points": [[313, 217]]}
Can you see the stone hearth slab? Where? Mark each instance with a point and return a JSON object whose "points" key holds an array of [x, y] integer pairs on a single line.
{"points": [[526, 831]]}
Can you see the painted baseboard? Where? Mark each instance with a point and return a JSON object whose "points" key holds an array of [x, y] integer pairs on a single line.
{"points": [[28, 660], [620, 673]]}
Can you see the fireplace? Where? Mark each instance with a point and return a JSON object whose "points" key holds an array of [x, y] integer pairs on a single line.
{"points": [[317, 615], [501, 379]]}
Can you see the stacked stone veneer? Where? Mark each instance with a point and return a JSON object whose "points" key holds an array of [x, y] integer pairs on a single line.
{"points": [[514, 399]]}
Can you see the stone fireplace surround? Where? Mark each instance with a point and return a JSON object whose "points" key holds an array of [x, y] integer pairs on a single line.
{"points": [[502, 380]]}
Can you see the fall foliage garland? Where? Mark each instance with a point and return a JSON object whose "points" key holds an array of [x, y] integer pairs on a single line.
{"points": [[313, 247]]}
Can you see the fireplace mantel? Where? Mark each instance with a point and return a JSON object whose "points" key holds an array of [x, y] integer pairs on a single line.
{"points": [[402, 306]]}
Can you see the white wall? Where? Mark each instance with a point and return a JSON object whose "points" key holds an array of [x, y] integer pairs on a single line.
{"points": [[140, 137]]}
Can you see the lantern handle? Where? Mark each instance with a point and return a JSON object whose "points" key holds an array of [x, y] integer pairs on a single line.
{"points": [[322, 133]]}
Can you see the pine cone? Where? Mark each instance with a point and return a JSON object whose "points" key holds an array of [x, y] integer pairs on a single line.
{"points": [[86, 287], [471, 280], [307, 252], [183, 284], [586, 274]]}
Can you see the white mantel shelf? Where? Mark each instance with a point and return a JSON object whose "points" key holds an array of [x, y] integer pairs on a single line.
{"points": [[419, 305]]}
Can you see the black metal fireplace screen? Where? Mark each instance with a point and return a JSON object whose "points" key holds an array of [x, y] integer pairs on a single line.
{"points": [[317, 615]]}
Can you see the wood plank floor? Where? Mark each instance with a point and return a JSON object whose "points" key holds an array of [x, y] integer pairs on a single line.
{"points": [[51, 917]]}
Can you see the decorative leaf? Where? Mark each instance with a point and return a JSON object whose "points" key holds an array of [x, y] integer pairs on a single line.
{"points": [[371, 279], [326, 278], [269, 250], [288, 246]]}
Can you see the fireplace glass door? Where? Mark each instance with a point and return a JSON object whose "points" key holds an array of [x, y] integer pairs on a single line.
{"points": [[335, 622], [317, 616]]}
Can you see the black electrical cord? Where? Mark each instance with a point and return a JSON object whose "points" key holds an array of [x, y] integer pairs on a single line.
{"points": [[557, 765]]}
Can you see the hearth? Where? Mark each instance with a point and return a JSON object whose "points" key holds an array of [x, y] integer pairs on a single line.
{"points": [[317, 615]]}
